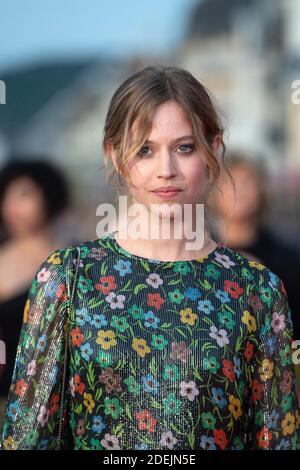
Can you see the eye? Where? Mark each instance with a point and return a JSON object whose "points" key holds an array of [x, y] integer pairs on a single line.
{"points": [[190, 147], [141, 153]]}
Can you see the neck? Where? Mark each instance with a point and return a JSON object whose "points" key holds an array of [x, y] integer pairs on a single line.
{"points": [[183, 248], [39, 235]]}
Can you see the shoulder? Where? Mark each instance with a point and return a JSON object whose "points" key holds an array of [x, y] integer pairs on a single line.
{"points": [[87, 251], [266, 296], [251, 272], [239, 260]]}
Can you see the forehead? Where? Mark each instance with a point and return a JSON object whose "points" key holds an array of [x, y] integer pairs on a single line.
{"points": [[170, 117], [168, 120], [20, 183]]}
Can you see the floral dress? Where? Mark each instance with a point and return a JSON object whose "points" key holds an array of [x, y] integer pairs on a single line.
{"points": [[160, 354]]}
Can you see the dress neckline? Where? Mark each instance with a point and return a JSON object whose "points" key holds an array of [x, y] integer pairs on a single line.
{"points": [[126, 253]]}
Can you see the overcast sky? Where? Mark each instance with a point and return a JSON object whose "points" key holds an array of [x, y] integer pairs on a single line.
{"points": [[35, 30]]}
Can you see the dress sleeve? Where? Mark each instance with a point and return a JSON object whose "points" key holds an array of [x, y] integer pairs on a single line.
{"points": [[33, 407], [274, 412]]}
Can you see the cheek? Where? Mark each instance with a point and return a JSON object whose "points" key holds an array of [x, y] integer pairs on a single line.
{"points": [[197, 179], [35, 208], [32, 209], [12, 208], [140, 176], [247, 194]]}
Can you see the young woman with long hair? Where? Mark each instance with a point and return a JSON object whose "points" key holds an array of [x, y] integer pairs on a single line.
{"points": [[139, 342]]}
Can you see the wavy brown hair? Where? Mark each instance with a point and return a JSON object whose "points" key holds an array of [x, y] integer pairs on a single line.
{"points": [[133, 105]]}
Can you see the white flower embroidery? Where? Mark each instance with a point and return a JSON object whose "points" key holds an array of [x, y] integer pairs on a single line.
{"points": [[43, 275], [31, 368], [219, 335], [189, 389], [224, 260], [154, 280], [115, 301], [43, 416]]}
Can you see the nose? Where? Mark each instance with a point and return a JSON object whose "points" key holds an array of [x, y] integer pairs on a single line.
{"points": [[166, 165]]}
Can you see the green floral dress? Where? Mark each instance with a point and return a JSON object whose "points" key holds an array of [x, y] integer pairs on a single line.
{"points": [[160, 354]]}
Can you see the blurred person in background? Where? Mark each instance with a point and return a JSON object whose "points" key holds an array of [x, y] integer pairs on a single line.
{"points": [[32, 196], [241, 220]]}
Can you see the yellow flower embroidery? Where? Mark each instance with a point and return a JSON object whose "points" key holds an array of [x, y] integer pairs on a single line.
{"points": [[106, 339], [297, 419], [249, 321], [266, 370], [10, 443], [26, 310], [54, 258], [288, 424], [257, 265], [140, 346], [187, 316], [88, 402], [235, 407]]}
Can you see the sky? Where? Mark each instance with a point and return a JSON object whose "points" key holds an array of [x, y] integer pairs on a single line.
{"points": [[37, 30]]}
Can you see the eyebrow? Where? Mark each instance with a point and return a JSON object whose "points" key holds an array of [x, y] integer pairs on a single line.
{"points": [[179, 139]]}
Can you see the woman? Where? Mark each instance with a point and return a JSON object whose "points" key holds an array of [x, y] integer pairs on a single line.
{"points": [[29, 206], [166, 348]]}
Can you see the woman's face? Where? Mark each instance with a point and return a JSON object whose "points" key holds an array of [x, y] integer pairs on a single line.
{"points": [[23, 208], [168, 158]]}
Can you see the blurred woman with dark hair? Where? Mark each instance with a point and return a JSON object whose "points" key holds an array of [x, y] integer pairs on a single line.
{"points": [[32, 195]]}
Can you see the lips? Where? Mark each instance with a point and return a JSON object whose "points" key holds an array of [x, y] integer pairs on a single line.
{"points": [[166, 189], [167, 194]]}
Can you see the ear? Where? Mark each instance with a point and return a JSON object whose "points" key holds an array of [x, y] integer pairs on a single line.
{"points": [[217, 143]]}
